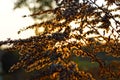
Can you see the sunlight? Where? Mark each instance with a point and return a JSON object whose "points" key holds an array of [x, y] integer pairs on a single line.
{"points": [[11, 21]]}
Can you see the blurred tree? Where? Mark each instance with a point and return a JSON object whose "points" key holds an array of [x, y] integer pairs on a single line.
{"points": [[50, 54], [35, 6]]}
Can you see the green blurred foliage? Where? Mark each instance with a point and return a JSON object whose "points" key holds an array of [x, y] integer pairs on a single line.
{"points": [[35, 6]]}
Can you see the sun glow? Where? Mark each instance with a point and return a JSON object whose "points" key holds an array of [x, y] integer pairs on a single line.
{"points": [[11, 21]]}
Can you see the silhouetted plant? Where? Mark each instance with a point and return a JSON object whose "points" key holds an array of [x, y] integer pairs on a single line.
{"points": [[50, 53]]}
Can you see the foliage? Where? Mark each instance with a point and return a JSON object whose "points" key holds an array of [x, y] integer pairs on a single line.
{"points": [[49, 55], [35, 5]]}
